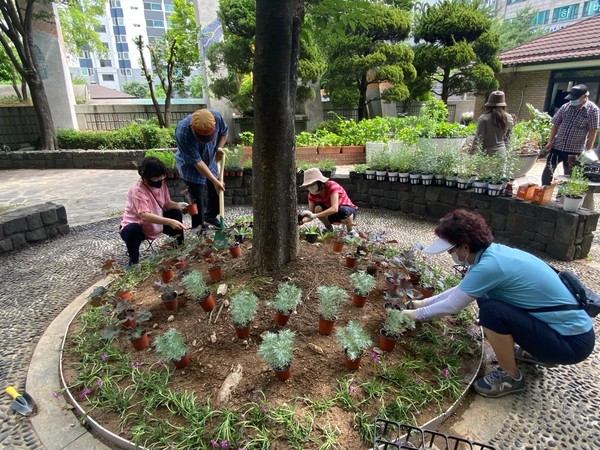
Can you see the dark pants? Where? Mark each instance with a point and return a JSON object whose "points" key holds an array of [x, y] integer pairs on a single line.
{"points": [[133, 235], [554, 158], [533, 335], [205, 196], [343, 213]]}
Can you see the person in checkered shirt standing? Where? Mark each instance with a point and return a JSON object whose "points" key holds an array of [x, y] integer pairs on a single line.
{"points": [[573, 130]]}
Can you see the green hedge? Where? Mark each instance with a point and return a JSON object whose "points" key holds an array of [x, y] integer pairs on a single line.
{"points": [[144, 135]]}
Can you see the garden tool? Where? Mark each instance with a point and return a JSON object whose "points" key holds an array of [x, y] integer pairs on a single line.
{"points": [[220, 239], [22, 403]]}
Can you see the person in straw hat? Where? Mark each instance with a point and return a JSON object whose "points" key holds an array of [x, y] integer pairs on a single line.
{"points": [[521, 301], [328, 202], [494, 126], [200, 138]]}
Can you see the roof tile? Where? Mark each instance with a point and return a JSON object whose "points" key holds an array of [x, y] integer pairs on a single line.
{"points": [[575, 42]]}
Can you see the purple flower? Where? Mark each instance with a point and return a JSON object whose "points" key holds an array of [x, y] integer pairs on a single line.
{"points": [[83, 394], [99, 382], [264, 410], [351, 389], [136, 365], [374, 356], [103, 356], [446, 373], [55, 395], [224, 444], [214, 443]]}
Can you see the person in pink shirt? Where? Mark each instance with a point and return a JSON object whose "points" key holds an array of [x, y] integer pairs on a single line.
{"points": [[328, 202], [149, 210]]}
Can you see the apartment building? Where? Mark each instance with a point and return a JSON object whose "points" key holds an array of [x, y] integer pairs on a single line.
{"points": [[123, 21], [551, 14]]}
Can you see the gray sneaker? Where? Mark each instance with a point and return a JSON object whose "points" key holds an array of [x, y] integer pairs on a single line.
{"points": [[498, 383], [523, 356]]}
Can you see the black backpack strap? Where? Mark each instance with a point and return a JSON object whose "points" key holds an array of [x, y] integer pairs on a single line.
{"points": [[555, 308]]}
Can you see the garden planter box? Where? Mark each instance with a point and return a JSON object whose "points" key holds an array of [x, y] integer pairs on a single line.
{"points": [[329, 150], [353, 149], [306, 151]]}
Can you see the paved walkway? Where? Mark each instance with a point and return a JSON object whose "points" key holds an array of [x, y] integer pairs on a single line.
{"points": [[559, 409]]}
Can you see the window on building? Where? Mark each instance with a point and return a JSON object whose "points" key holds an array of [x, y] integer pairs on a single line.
{"points": [[120, 38], [153, 6], [591, 8], [169, 7], [105, 63], [108, 77], [541, 18], [100, 29], [118, 21], [125, 72], [155, 23], [123, 55], [115, 3], [105, 45], [565, 13], [84, 71], [85, 54], [512, 2]]}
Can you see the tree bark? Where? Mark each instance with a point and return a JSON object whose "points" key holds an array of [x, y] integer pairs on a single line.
{"points": [[273, 165], [362, 99], [139, 43], [41, 106]]}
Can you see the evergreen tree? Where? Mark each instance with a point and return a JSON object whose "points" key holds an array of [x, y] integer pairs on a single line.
{"points": [[459, 49], [518, 30], [366, 52]]}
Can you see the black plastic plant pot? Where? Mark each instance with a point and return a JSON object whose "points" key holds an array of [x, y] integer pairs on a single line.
{"points": [[311, 238]]}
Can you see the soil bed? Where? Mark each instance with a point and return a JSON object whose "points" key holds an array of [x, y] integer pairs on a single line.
{"points": [[444, 354]]}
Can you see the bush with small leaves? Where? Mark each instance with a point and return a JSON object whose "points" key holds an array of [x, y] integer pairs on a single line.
{"points": [[277, 348]]}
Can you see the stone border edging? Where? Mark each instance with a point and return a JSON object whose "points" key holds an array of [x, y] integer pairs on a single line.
{"points": [[53, 415]]}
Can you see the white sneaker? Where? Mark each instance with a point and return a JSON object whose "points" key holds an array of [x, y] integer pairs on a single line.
{"points": [[352, 233]]}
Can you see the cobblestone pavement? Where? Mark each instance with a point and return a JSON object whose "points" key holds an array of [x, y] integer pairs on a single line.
{"points": [[559, 408]]}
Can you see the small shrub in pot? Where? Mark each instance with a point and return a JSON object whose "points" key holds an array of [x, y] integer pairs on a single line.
{"points": [[362, 282], [396, 323], [277, 349], [243, 308], [330, 301], [287, 298], [353, 339], [170, 345]]}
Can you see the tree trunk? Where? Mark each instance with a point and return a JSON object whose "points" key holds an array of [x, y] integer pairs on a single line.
{"points": [[362, 99], [273, 163], [41, 106], [16, 89], [445, 86], [24, 89]]}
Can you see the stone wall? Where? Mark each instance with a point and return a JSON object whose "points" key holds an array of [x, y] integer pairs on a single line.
{"points": [[545, 228], [31, 224], [71, 159]]}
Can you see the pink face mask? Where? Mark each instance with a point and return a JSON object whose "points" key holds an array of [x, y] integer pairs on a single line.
{"points": [[314, 189]]}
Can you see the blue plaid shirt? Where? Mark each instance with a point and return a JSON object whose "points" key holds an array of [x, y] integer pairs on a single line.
{"points": [[190, 150], [574, 126]]}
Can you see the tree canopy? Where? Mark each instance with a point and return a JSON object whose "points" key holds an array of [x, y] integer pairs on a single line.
{"points": [[459, 48], [79, 21], [172, 57], [518, 30], [370, 51], [236, 54]]}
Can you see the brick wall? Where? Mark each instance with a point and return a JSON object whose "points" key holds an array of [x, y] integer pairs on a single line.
{"points": [[520, 88]]}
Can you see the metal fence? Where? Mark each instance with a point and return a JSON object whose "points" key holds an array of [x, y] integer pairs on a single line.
{"points": [[348, 113]]}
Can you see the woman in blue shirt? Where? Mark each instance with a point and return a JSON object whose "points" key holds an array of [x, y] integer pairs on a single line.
{"points": [[506, 283]]}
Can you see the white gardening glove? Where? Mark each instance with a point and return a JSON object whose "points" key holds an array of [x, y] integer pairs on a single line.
{"points": [[309, 214], [414, 304], [410, 313]]}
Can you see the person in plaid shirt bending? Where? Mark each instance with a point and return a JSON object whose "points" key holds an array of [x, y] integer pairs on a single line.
{"points": [[573, 130]]}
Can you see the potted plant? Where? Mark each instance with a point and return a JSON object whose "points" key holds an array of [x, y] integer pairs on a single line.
{"points": [[330, 302], [363, 283], [354, 340], [573, 189], [194, 284], [171, 347], [235, 250], [311, 233], [285, 302], [243, 309], [125, 316], [166, 273], [277, 349], [138, 337], [169, 299], [98, 296], [395, 324]]}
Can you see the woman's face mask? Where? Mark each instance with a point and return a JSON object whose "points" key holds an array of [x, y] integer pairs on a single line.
{"points": [[313, 189], [155, 184], [457, 259]]}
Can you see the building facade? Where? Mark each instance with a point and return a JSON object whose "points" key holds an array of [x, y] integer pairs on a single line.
{"points": [[551, 14], [123, 21]]}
